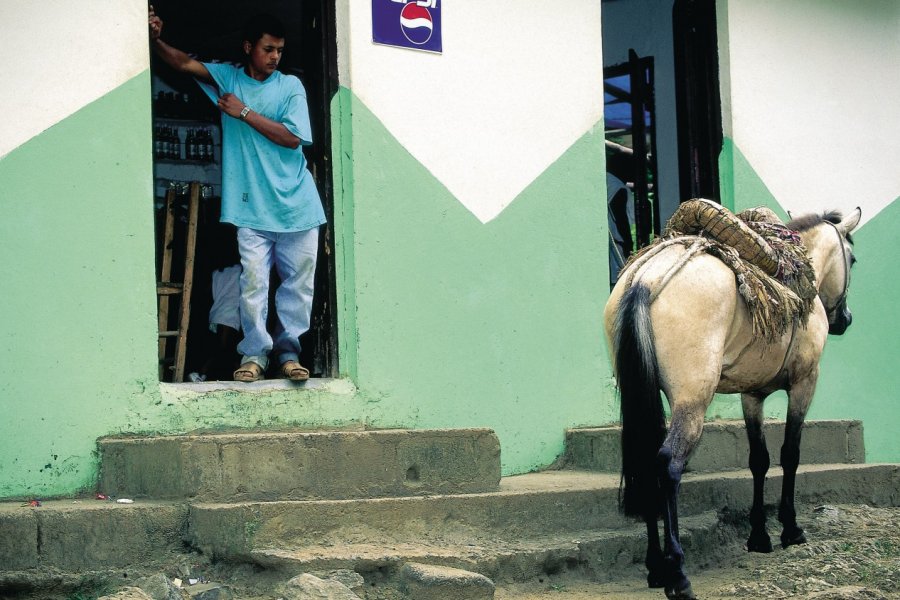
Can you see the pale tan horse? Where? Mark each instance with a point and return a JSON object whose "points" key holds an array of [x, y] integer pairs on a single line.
{"points": [[690, 338]]}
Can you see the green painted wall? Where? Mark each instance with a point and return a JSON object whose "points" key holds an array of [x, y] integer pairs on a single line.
{"points": [[444, 321], [468, 324], [77, 270], [859, 377]]}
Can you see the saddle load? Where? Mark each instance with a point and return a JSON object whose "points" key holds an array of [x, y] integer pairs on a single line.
{"points": [[772, 267]]}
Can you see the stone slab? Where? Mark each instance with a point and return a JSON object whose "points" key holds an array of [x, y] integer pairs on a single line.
{"points": [[301, 465], [724, 445], [309, 587]]}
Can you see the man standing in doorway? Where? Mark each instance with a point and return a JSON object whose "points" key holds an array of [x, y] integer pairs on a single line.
{"points": [[268, 192]]}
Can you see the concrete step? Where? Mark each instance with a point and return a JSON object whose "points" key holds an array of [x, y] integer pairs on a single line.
{"points": [[532, 506], [540, 522], [232, 467], [599, 555], [724, 446], [78, 536]]}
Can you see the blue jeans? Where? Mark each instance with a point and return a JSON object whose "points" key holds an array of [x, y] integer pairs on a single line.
{"points": [[294, 256]]}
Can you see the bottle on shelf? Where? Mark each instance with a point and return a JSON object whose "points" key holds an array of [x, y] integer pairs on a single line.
{"points": [[209, 145], [176, 144], [190, 146], [157, 142], [201, 146]]}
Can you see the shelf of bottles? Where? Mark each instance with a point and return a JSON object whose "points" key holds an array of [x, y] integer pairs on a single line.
{"points": [[183, 144]]}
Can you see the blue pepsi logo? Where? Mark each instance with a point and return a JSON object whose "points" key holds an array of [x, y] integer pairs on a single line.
{"points": [[416, 23]]}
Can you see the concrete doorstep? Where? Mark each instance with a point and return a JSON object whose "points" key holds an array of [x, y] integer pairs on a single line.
{"points": [[301, 465], [723, 446], [527, 507]]}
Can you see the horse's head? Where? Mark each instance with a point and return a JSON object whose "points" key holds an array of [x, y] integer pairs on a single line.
{"points": [[827, 238]]}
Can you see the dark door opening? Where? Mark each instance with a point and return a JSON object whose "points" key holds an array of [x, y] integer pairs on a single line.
{"points": [[183, 117], [699, 101]]}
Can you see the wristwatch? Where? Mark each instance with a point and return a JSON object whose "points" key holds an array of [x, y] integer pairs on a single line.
{"points": [[244, 112]]}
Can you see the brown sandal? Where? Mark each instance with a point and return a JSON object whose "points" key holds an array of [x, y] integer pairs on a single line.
{"points": [[249, 372], [291, 369]]}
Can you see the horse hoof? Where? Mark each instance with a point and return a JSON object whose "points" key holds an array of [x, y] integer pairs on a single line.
{"points": [[760, 543], [793, 538], [685, 593]]}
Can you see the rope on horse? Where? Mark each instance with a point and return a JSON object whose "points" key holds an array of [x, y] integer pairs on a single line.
{"points": [[771, 266]]}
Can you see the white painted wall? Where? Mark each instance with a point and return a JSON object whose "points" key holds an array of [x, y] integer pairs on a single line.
{"points": [[646, 26], [519, 81], [60, 56], [815, 99]]}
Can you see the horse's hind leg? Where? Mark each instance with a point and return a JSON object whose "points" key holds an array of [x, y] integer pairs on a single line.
{"points": [[684, 433], [752, 405], [799, 398], [656, 577]]}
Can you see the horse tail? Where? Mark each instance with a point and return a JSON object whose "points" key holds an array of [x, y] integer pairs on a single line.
{"points": [[643, 419]]}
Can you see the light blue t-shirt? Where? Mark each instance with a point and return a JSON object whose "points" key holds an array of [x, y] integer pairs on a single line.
{"points": [[265, 186]]}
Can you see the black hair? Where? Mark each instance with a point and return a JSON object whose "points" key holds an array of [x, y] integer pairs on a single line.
{"points": [[260, 24]]}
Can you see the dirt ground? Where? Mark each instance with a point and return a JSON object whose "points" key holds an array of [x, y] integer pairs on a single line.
{"points": [[853, 552]]}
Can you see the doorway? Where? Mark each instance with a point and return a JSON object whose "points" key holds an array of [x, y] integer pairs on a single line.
{"points": [[699, 101], [662, 110], [187, 149]]}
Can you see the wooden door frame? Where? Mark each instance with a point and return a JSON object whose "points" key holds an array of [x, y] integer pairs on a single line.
{"points": [[322, 84]]}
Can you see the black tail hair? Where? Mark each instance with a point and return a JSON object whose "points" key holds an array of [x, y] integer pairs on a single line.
{"points": [[643, 419]]}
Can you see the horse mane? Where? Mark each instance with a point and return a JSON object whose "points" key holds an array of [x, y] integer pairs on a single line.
{"points": [[807, 222]]}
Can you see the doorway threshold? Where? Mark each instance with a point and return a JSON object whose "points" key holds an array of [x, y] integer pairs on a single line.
{"points": [[264, 385]]}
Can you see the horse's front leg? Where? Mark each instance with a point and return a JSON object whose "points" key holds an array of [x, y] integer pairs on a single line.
{"points": [[799, 398], [752, 404], [684, 433]]}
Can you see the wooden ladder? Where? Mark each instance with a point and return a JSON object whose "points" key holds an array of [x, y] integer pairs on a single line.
{"points": [[166, 288]]}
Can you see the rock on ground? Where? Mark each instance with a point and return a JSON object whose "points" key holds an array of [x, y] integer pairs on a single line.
{"points": [[128, 593], [159, 587], [310, 587]]}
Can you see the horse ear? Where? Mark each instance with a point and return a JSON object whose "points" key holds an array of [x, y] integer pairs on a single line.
{"points": [[850, 222]]}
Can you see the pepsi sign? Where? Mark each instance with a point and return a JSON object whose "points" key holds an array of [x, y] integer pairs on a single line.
{"points": [[414, 24]]}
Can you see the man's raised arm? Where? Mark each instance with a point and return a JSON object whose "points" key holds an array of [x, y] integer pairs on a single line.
{"points": [[174, 57]]}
